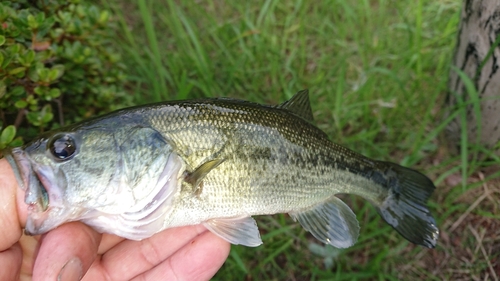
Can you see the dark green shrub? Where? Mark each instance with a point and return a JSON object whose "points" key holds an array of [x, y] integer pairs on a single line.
{"points": [[56, 66]]}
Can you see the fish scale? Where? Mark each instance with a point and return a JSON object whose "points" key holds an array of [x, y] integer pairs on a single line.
{"points": [[215, 162], [237, 152]]}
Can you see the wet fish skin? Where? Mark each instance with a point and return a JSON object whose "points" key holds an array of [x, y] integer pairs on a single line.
{"points": [[140, 170]]}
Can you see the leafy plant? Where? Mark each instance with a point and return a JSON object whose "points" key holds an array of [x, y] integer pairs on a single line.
{"points": [[7, 137], [56, 65]]}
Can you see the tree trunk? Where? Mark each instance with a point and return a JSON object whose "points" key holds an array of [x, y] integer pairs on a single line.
{"points": [[478, 30]]}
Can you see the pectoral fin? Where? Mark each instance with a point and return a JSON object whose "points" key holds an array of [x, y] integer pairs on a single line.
{"points": [[237, 231], [195, 177], [331, 222]]}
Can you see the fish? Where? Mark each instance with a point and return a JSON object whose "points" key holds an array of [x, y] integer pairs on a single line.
{"points": [[216, 162]]}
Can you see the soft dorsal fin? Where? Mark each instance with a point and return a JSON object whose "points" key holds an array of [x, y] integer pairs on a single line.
{"points": [[299, 104], [195, 177]]}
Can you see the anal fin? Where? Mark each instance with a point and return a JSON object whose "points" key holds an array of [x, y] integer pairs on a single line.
{"points": [[331, 222], [237, 231]]}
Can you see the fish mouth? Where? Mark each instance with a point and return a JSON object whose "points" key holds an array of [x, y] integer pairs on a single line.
{"points": [[20, 165], [34, 181]]}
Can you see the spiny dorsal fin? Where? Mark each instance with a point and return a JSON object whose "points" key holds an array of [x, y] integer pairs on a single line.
{"points": [[197, 175], [299, 104]]}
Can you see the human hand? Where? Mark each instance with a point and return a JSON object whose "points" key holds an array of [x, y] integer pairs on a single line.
{"points": [[75, 250]]}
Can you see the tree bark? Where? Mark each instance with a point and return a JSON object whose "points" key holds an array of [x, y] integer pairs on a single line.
{"points": [[478, 30]]}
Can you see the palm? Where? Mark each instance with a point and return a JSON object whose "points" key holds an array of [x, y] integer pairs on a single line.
{"points": [[189, 253], [184, 253]]}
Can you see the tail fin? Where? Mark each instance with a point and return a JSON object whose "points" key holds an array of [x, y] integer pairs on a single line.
{"points": [[405, 208]]}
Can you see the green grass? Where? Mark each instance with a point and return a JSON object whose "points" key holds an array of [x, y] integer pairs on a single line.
{"points": [[377, 73]]}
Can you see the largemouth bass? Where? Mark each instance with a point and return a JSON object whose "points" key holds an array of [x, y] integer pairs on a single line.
{"points": [[216, 162]]}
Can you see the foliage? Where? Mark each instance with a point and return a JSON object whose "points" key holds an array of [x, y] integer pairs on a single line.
{"points": [[7, 137], [377, 71], [56, 65]]}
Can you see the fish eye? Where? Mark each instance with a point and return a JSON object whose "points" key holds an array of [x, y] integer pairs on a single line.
{"points": [[62, 147]]}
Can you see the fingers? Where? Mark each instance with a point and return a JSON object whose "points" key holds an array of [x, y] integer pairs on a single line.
{"points": [[108, 241], [11, 254], [29, 246], [10, 226], [66, 252], [199, 259], [131, 258], [11, 259]]}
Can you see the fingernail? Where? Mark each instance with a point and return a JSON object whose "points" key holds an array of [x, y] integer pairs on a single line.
{"points": [[71, 271]]}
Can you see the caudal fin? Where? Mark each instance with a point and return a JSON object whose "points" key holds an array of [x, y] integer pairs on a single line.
{"points": [[405, 208]]}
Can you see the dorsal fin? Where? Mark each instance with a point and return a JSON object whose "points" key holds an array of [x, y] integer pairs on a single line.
{"points": [[299, 104]]}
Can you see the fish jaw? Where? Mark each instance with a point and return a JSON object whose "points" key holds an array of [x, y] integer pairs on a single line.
{"points": [[54, 210], [43, 194]]}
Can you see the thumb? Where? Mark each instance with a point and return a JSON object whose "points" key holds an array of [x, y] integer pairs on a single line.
{"points": [[66, 252], [14, 211], [10, 225]]}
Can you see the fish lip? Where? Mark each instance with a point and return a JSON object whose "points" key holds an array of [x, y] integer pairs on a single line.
{"points": [[35, 182], [44, 217], [29, 180], [20, 165]]}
